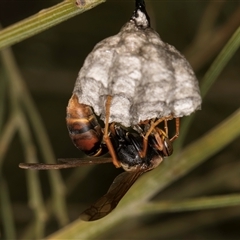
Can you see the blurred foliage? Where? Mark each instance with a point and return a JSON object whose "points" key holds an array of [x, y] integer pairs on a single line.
{"points": [[35, 204]]}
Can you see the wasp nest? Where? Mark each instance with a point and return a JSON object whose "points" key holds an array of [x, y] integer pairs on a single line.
{"points": [[146, 77]]}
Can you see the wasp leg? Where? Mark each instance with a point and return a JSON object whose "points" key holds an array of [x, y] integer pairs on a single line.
{"points": [[106, 136], [144, 151], [166, 127], [159, 137], [145, 137], [177, 122]]}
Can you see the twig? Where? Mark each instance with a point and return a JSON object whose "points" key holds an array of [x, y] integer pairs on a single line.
{"points": [[21, 92], [35, 197], [213, 180], [56, 182], [6, 211], [3, 87], [43, 20], [76, 176], [191, 204], [18, 118], [220, 62], [182, 224], [6, 136]]}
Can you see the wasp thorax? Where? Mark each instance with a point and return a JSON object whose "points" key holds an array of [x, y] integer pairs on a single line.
{"points": [[146, 77]]}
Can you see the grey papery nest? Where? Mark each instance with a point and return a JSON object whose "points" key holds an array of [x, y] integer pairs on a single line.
{"points": [[146, 77]]}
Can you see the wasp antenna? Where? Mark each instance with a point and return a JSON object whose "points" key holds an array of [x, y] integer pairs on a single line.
{"points": [[84, 161], [42, 166]]}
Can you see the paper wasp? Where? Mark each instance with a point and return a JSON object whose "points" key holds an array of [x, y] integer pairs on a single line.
{"points": [[138, 150]]}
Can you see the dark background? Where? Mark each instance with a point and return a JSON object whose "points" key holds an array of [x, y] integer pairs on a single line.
{"points": [[49, 63]]}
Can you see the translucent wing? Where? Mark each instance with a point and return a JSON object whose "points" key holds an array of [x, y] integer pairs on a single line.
{"points": [[65, 163], [110, 200]]}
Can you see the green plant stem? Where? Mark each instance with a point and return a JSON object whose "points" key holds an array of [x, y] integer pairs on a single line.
{"points": [[36, 199], [43, 20], [3, 87], [214, 180], [57, 185], [220, 62], [35, 196], [21, 92], [191, 204], [6, 136], [173, 227], [208, 80], [6, 211], [76, 176], [151, 183]]}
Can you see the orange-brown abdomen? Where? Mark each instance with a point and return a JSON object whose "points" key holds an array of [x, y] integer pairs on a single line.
{"points": [[84, 129]]}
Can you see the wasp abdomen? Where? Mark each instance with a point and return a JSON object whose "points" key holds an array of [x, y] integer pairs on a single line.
{"points": [[83, 127]]}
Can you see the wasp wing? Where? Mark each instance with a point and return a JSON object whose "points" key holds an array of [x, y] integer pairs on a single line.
{"points": [[65, 163], [110, 200]]}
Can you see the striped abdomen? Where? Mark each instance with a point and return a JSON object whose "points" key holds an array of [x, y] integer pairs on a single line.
{"points": [[84, 129]]}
